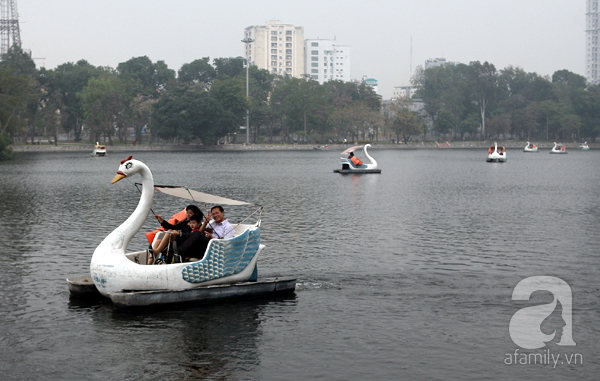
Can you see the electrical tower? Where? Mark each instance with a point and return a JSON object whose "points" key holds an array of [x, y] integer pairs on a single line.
{"points": [[9, 26]]}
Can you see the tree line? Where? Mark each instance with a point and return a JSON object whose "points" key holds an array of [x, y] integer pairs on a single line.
{"points": [[205, 101], [478, 101], [202, 102]]}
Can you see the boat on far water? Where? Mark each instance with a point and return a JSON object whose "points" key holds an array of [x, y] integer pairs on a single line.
{"points": [[530, 147], [559, 149], [496, 154], [584, 146], [352, 164], [99, 150]]}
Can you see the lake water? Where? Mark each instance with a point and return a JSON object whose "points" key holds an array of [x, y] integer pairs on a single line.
{"points": [[403, 275]]}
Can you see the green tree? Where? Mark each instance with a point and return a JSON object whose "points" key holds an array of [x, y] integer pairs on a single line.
{"points": [[229, 67], [586, 104], [406, 123], [61, 87], [18, 60], [197, 71], [149, 78], [499, 125], [17, 91], [5, 148], [105, 101], [261, 86], [190, 111], [301, 105], [445, 122], [470, 125], [446, 87], [141, 114], [484, 85]]}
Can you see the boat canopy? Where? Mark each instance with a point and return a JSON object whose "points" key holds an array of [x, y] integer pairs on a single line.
{"points": [[351, 149], [190, 194]]}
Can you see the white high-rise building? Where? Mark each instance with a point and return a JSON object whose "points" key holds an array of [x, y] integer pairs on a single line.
{"points": [[592, 31], [277, 47], [326, 60]]}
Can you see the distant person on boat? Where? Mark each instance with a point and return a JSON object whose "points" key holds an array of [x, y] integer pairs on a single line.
{"points": [[356, 161], [220, 228]]}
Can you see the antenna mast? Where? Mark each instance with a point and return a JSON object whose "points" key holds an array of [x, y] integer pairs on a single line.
{"points": [[410, 74], [9, 26]]}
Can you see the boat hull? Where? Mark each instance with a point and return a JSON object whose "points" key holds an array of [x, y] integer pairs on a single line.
{"points": [[530, 150], [82, 287], [558, 152], [356, 171], [495, 158], [203, 294]]}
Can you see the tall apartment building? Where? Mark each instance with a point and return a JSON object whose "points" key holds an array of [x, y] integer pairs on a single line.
{"points": [[591, 33], [277, 47], [326, 60]]}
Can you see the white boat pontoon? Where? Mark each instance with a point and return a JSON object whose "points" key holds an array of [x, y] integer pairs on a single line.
{"points": [[584, 146], [530, 147], [559, 149], [496, 154], [230, 263], [357, 167], [99, 150]]}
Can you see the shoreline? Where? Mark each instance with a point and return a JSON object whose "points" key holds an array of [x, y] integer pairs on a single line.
{"points": [[276, 147]]}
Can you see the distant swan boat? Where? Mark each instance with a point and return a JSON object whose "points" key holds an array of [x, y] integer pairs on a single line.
{"points": [[496, 154], [349, 167], [530, 147], [99, 150], [559, 149]]}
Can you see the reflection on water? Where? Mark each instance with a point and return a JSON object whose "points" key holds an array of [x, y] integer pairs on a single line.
{"points": [[408, 272]]}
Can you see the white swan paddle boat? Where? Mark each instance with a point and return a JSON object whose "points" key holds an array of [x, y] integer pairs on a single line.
{"points": [[584, 146], [559, 149], [530, 147], [496, 154], [349, 167], [227, 270], [99, 150]]}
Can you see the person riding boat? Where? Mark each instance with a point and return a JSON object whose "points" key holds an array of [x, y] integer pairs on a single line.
{"points": [[356, 161]]}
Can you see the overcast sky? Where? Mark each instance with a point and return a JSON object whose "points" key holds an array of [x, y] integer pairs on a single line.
{"points": [[540, 36]]}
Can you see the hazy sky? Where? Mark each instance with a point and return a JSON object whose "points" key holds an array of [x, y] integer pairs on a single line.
{"points": [[540, 36]]}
